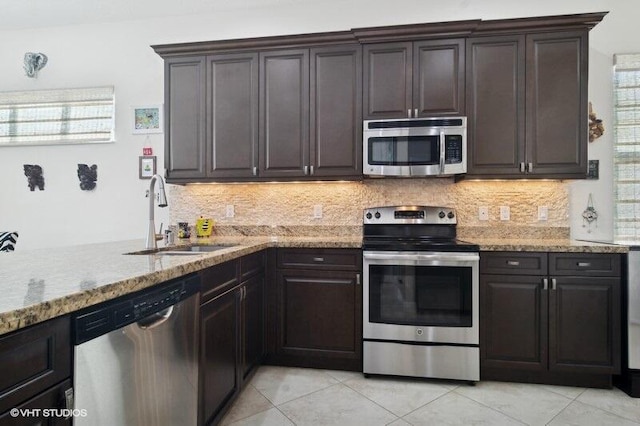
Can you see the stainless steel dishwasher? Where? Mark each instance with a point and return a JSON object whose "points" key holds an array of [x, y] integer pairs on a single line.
{"points": [[136, 358]]}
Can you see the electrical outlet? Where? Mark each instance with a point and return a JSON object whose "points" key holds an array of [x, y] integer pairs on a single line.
{"points": [[317, 211], [230, 212], [505, 213], [483, 213], [543, 213]]}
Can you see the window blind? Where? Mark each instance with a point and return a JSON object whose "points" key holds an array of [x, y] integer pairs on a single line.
{"points": [[627, 146], [57, 116]]}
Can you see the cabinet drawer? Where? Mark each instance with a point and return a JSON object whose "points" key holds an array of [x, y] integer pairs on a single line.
{"points": [[592, 264], [513, 263], [333, 259], [33, 360], [54, 398], [219, 278], [251, 264]]}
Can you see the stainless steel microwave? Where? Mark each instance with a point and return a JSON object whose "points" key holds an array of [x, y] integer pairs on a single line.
{"points": [[415, 147]]}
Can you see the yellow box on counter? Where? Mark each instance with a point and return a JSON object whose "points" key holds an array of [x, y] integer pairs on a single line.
{"points": [[204, 227]]}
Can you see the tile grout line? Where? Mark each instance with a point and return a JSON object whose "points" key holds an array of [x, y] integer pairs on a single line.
{"points": [[369, 399], [491, 408]]}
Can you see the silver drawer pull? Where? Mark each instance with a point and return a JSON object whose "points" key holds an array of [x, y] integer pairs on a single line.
{"points": [[318, 259], [513, 263], [584, 264], [545, 284], [68, 401]]}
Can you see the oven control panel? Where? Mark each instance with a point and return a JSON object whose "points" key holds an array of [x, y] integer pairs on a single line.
{"points": [[410, 215]]}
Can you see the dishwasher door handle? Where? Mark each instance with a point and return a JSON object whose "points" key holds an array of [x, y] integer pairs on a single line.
{"points": [[154, 320]]}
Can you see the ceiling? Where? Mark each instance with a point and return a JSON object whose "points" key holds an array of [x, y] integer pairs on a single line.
{"points": [[25, 14]]}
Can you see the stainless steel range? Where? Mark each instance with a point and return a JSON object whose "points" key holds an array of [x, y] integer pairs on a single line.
{"points": [[421, 284]]}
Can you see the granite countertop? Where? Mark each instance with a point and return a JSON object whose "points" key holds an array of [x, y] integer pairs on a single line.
{"points": [[550, 245], [38, 285]]}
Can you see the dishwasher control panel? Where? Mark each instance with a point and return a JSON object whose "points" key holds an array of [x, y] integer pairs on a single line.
{"points": [[119, 313]]}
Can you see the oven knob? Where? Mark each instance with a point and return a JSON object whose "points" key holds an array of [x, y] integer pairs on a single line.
{"points": [[450, 215], [441, 215], [377, 215], [369, 215]]}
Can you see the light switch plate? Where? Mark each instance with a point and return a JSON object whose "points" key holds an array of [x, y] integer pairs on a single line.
{"points": [[230, 211], [505, 213]]}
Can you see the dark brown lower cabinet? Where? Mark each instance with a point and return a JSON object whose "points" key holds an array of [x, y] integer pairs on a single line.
{"points": [[35, 372], [553, 328], [219, 346], [252, 324], [231, 332], [319, 309], [50, 400]]}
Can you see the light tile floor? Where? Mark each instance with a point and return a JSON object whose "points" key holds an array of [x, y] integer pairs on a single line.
{"points": [[297, 396]]}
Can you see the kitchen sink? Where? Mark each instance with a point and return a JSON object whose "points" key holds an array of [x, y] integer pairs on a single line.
{"points": [[186, 250]]}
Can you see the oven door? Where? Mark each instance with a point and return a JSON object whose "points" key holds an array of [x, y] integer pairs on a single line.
{"points": [[425, 297]]}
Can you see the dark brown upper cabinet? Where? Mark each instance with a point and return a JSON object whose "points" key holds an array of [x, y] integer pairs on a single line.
{"points": [[527, 105], [291, 107], [232, 125], [185, 109], [284, 113], [310, 113], [414, 79]]}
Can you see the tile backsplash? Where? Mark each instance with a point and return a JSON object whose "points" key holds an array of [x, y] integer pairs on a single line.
{"points": [[271, 205]]}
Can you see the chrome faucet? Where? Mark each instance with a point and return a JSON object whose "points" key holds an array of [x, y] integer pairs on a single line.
{"points": [[152, 237]]}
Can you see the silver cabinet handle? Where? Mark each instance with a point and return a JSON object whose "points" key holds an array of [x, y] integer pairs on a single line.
{"points": [[255, 171], [584, 264], [513, 263], [68, 402], [357, 279], [318, 259], [306, 170], [415, 113], [311, 168], [530, 167], [554, 283], [522, 168], [409, 113], [545, 284]]}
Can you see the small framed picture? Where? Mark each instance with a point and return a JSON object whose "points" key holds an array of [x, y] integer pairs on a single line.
{"points": [[147, 166], [147, 119]]}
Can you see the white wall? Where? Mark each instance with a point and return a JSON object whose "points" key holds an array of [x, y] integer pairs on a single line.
{"points": [[119, 54]]}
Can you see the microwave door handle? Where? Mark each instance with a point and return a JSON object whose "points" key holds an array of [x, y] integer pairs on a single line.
{"points": [[441, 152]]}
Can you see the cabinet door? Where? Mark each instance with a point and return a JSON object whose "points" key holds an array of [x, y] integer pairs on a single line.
{"points": [[185, 80], [32, 360], [495, 105], [438, 77], [232, 85], [584, 325], [284, 113], [252, 324], [320, 318], [513, 322], [219, 353], [336, 111], [387, 80], [557, 129]]}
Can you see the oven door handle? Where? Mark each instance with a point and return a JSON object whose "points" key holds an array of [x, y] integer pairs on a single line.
{"points": [[416, 256]]}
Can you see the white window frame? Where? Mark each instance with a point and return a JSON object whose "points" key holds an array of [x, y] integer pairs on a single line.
{"points": [[57, 117]]}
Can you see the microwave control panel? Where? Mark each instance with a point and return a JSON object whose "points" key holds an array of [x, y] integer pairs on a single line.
{"points": [[453, 149]]}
